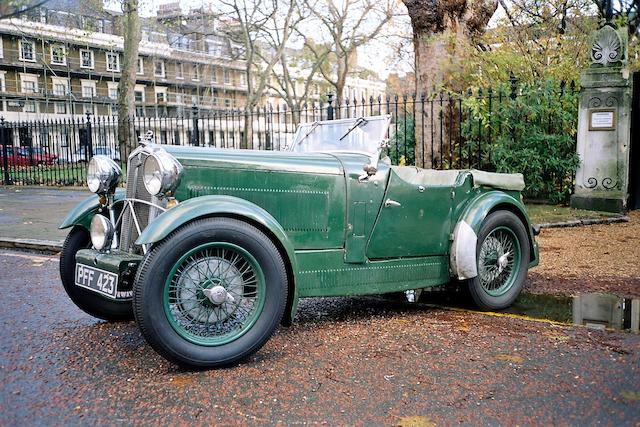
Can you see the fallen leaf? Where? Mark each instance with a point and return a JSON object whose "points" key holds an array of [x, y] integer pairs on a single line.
{"points": [[415, 421], [510, 358], [633, 396]]}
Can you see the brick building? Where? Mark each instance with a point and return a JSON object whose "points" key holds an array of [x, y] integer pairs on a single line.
{"points": [[63, 59]]}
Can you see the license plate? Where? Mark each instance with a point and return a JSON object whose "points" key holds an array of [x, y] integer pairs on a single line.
{"points": [[95, 279]]}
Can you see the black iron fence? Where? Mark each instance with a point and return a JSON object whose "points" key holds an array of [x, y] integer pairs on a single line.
{"points": [[474, 129]]}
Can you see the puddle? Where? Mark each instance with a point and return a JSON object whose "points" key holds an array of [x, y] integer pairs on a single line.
{"points": [[598, 311]]}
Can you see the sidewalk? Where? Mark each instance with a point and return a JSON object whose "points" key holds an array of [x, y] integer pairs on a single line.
{"points": [[35, 213]]}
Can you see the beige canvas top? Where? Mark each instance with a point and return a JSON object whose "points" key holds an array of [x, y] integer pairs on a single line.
{"points": [[433, 177]]}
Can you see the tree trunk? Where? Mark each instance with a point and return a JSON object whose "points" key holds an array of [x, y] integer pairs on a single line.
{"points": [[247, 137], [126, 99], [440, 30]]}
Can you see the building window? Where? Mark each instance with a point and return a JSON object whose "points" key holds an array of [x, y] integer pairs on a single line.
{"points": [[60, 108], [139, 95], [88, 89], [113, 61], [140, 66], [58, 54], [27, 51], [113, 92], [196, 72], [214, 75], [140, 111], [227, 103], [227, 77], [60, 89], [86, 58], [29, 83], [158, 68], [30, 107], [179, 70], [161, 97], [29, 87], [243, 79]]}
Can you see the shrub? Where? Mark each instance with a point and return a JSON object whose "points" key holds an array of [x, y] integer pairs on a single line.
{"points": [[533, 134]]}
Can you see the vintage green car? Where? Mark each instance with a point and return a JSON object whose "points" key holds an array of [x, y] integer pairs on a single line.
{"points": [[211, 249]]}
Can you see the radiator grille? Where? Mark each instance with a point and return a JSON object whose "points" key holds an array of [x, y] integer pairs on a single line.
{"points": [[135, 190]]}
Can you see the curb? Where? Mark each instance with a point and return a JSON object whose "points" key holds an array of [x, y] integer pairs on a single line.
{"points": [[586, 221], [50, 246]]}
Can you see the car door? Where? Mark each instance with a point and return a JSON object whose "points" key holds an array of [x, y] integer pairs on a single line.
{"points": [[414, 220]]}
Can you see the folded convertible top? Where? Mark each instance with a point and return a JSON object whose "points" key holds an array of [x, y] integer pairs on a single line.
{"points": [[433, 177], [503, 181]]}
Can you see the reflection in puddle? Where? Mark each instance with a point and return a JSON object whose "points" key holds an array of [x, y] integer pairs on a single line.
{"points": [[598, 311]]}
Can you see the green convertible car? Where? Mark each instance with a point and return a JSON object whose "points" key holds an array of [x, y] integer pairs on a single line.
{"points": [[211, 249]]}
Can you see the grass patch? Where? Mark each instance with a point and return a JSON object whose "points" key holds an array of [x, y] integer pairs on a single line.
{"points": [[555, 213], [54, 175]]}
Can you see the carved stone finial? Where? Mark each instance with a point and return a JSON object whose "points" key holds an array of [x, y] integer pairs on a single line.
{"points": [[607, 48]]}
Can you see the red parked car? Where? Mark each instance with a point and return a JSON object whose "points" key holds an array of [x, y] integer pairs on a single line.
{"points": [[27, 156]]}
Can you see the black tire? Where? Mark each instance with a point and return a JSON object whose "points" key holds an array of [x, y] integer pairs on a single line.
{"points": [[88, 301], [156, 271], [480, 295]]}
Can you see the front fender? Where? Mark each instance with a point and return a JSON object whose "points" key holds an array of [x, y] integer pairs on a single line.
{"points": [[82, 213], [462, 254], [219, 205]]}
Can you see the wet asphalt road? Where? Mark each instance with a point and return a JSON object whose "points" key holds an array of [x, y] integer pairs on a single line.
{"points": [[355, 361]]}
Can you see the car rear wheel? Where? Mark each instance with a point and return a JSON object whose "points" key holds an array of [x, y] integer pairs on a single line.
{"points": [[88, 301], [211, 293], [502, 255]]}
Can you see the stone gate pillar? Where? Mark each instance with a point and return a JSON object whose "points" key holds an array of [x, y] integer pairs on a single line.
{"points": [[604, 124]]}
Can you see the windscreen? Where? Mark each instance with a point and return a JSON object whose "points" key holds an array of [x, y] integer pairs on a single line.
{"points": [[363, 134]]}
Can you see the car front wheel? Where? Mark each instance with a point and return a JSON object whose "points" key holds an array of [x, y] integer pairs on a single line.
{"points": [[88, 301], [502, 255], [211, 293]]}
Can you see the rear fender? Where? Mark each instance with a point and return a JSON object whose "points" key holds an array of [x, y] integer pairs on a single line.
{"points": [[229, 206], [462, 254]]}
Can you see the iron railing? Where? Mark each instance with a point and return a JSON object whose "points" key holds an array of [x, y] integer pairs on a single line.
{"points": [[444, 131]]}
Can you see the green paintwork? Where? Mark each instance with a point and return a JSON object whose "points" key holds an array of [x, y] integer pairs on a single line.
{"points": [[284, 195], [363, 204], [419, 226], [324, 273], [82, 213], [337, 236], [267, 161], [207, 206]]}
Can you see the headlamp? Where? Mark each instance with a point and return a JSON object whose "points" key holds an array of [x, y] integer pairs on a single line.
{"points": [[102, 175], [161, 173], [101, 232]]}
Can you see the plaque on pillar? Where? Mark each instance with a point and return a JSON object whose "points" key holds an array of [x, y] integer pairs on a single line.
{"points": [[604, 123]]}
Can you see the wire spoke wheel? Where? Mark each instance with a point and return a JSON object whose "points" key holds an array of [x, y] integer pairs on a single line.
{"points": [[499, 261], [214, 294]]}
